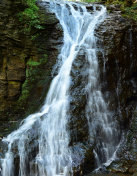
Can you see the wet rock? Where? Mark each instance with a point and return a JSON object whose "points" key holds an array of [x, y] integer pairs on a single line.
{"points": [[83, 158], [78, 121], [26, 62], [118, 65], [82, 149], [113, 7], [17, 48]]}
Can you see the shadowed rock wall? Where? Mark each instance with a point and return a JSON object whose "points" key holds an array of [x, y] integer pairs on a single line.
{"points": [[118, 63], [26, 61]]}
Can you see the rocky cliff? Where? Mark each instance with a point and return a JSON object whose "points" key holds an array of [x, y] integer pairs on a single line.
{"points": [[117, 55], [119, 61], [26, 61]]}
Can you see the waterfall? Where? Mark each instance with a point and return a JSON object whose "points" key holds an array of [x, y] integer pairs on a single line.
{"points": [[41, 144]]}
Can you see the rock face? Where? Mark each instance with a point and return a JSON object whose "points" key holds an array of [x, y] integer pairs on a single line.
{"points": [[26, 61], [82, 148], [118, 63], [117, 56]]}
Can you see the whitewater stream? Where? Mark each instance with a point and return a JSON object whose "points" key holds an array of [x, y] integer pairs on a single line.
{"points": [[40, 147]]}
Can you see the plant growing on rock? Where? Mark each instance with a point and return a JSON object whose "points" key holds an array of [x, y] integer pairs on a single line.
{"points": [[127, 7], [30, 16]]}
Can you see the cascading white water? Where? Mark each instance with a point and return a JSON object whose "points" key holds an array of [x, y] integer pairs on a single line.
{"points": [[103, 128], [53, 156]]}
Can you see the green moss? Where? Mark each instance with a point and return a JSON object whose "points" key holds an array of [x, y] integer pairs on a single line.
{"points": [[34, 74], [131, 12], [33, 37], [36, 63], [128, 8], [33, 63], [30, 16], [25, 91]]}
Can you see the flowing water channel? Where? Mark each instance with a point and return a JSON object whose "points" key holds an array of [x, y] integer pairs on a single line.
{"points": [[41, 144]]}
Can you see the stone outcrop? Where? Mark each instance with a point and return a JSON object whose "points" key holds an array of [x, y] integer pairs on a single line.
{"points": [[118, 63], [82, 148], [26, 61], [117, 46]]}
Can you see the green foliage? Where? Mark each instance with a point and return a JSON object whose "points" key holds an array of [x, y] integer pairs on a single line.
{"points": [[131, 12], [30, 16], [33, 63], [128, 7], [33, 74], [25, 91]]}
